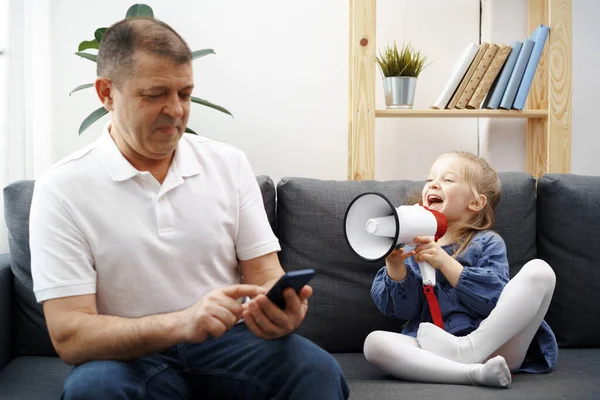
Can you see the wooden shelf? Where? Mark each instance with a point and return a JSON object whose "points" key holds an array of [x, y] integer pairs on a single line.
{"points": [[548, 108], [399, 113]]}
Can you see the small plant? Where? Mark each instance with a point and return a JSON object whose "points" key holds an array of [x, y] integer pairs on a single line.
{"points": [[136, 10], [406, 62]]}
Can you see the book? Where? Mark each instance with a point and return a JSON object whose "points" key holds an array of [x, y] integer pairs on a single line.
{"points": [[514, 81], [492, 101], [539, 37], [458, 71], [465, 80], [485, 62], [490, 76]]}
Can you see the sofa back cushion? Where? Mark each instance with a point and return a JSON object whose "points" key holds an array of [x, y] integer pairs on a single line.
{"points": [[568, 226], [516, 218], [310, 218], [29, 331], [30, 334]]}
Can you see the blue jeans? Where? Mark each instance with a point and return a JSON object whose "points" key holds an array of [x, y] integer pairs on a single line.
{"points": [[236, 366]]}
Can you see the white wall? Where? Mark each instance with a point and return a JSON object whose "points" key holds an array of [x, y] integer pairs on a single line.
{"points": [[502, 141], [405, 148], [283, 72], [586, 86]]}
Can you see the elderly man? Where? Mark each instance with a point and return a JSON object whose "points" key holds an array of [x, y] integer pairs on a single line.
{"points": [[140, 243]]}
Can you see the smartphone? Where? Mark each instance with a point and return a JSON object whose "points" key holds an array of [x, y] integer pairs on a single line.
{"points": [[293, 279]]}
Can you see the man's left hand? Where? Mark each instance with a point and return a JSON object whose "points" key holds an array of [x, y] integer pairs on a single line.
{"points": [[268, 321]]}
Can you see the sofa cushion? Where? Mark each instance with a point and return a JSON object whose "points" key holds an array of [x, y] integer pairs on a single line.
{"points": [[29, 331], [267, 188], [575, 377], [33, 378], [310, 218], [516, 218], [30, 334], [568, 225]]}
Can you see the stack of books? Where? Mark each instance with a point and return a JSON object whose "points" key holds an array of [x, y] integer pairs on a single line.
{"points": [[493, 76]]}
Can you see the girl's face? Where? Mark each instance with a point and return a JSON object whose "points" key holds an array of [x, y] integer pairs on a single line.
{"points": [[447, 191]]}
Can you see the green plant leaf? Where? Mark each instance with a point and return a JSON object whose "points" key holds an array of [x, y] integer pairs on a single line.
{"points": [[93, 117], [88, 44], [404, 62], [81, 87], [211, 105], [202, 53], [139, 10], [91, 57], [99, 33], [188, 130]]}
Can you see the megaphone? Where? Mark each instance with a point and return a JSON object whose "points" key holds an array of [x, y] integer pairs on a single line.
{"points": [[374, 227]]}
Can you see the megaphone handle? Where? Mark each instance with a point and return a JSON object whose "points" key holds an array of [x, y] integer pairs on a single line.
{"points": [[428, 273]]}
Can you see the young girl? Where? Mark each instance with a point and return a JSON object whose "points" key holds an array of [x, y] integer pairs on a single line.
{"points": [[491, 326]]}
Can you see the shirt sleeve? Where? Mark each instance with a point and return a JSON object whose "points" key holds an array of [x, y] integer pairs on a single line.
{"points": [[61, 259], [481, 284], [255, 237], [402, 299]]}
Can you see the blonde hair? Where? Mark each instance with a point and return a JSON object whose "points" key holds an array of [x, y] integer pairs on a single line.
{"points": [[482, 180]]}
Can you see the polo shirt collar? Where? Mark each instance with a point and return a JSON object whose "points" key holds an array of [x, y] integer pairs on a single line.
{"points": [[120, 169], [186, 161]]}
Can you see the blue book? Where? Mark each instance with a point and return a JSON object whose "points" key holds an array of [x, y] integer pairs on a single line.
{"points": [[493, 100], [539, 36], [514, 81]]}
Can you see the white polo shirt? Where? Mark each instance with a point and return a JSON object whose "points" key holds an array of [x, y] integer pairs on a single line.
{"points": [[98, 225]]}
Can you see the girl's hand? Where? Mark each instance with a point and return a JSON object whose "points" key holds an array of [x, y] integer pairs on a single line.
{"points": [[430, 251], [398, 256], [394, 263]]}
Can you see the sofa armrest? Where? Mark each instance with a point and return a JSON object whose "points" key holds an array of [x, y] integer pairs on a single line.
{"points": [[6, 280]]}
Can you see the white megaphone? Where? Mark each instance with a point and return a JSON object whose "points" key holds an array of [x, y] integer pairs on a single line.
{"points": [[374, 227]]}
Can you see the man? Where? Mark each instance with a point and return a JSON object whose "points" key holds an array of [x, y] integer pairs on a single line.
{"points": [[136, 241]]}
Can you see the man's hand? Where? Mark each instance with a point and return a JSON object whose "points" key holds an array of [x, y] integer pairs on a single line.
{"points": [[268, 321], [216, 312]]}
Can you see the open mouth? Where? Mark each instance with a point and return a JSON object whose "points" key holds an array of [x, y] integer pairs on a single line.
{"points": [[433, 200]]}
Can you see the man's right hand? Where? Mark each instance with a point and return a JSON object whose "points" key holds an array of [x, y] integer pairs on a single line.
{"points": [[216, 312]]}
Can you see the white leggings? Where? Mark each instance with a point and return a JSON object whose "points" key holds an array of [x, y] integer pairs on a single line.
{"points": [[507, 331]]}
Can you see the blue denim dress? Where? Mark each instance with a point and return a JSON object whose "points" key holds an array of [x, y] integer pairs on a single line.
{"points": [[463, 307]]}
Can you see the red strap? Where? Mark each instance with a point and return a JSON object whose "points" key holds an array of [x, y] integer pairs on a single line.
{"points": [[434, 306]]}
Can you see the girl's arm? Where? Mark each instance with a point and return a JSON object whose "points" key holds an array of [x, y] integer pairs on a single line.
{"points": [[480, 284], [402, 299]]}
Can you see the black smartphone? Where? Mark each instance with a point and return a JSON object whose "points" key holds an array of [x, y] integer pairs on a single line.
{"points": [[293, 279]]}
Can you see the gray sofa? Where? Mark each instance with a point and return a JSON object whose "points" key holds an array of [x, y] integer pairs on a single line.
{"points": [[557, 220]]}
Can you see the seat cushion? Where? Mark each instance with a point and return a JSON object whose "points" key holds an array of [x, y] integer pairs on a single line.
{"points": [[310, 226], [568, 226], [29, 332], [575, 377], [33, 378]]}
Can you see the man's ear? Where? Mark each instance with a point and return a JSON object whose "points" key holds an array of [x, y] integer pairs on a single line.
{"points": [[478, 203], [105, 91]]}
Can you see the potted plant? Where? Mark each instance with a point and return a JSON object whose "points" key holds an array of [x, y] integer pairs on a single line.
{"points": [[400, 70], [136, 10]]}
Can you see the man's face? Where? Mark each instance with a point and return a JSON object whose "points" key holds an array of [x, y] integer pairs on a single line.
{"points": [[152, 106]]}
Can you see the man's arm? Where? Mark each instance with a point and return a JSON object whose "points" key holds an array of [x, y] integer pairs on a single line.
{"points": [[79, 334], [262, 271]]}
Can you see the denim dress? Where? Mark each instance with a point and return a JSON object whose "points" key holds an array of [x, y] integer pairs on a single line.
{"points": [[463, 307]]}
